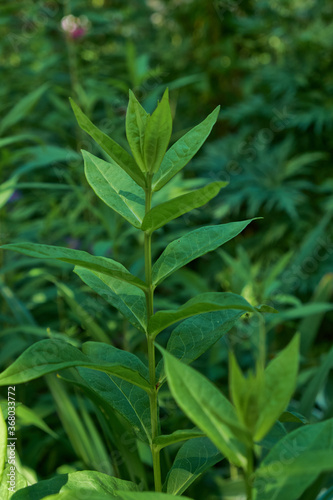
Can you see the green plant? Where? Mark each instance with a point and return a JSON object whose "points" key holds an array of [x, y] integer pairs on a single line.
{"points": [[122, 382]]}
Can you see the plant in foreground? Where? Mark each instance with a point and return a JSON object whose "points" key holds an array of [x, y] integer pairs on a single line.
{"points": [[118, 381]]}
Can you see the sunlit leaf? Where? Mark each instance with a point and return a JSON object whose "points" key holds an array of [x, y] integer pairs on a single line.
{"points": [[136, 121], [279, 385], [82, 483], [183, 150], [206, 406], [116, 152], [157, 134]]}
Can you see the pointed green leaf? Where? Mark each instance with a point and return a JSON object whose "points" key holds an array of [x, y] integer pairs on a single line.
{"points": [[203, 303], [82, 483], [192, 459], [206, 406], [116, 152], [77, 258], [196, 335], [177, 436], [302, 311], [157, 134], [247, 394], [183, 150], [114, 394], [165, 212], [136, 121], [47, 356], [113, 186], [3, 444], [128, 299], [279, 385], [295, 462], [193, 245]]}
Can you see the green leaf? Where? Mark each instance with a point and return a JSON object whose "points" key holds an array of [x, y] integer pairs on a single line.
{"points": [[261, 397], [193, 245], [196, 335], [302, 311], [82, 483], [293, 416], [116, 152], [47, 356], [114, 394], [279, 385], [208, 409], [295, 462], [203, 303], [247, 394], [77, 258], [157, 134], [193, 458], [27, 416], [3, 444], [136, 121], [146, 495], [22, 108], [113, 186], [183, 150], [177, 436], [165, 212], [128, 299], [20, 482]]}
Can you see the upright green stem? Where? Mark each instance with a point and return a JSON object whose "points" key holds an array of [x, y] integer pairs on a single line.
{"points": [[154, 415], [248, 475]]}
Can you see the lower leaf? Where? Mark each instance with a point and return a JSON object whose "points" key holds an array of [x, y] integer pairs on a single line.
{"points": [[192, 459]]}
